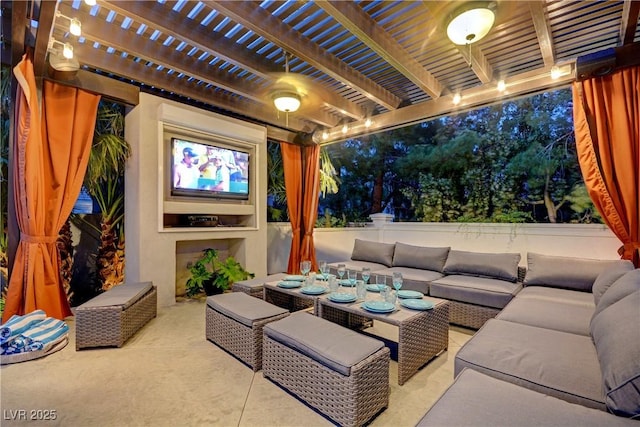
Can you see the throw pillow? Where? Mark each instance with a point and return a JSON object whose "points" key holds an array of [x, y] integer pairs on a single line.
{"points": [[421, 257], [608, 277], [365, 250], [564, 272], [495, 266]]}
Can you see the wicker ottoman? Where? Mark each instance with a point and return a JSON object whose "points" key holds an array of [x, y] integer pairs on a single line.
{"points": [[234, 322], [254, 287], [112, 317], [339, 372]]}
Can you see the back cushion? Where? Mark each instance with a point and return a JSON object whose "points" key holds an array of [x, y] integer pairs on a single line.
{"points": [[420, 257], [625, 285], [365, 250], [564, 272], [495, 266], [608, 277], [616, 336]]}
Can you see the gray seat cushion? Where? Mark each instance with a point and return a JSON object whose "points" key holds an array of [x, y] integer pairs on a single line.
{"points": [[424, 258], [564, 272], [412, 278], [476, 400], [380, 253], [475, 290], [565, 296], [556, 315], [551, 362], [608, 278], [124, 295], [243, 308], [491, 265], [326, 342], [616, 334]]}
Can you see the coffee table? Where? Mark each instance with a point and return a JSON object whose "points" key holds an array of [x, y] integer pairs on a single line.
{"points": [[422, 334], [290, 298]]}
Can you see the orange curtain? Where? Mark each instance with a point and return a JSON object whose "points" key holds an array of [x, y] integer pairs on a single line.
{"points": [[51, 155], [292, 164], [310, 194], [302, 182], [606, 114]]}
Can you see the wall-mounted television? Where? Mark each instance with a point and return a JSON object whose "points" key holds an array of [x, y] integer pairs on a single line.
{"points": [[209, 169]]}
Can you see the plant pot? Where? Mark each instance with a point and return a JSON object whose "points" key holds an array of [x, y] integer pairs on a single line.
{"points": [[210, 288]]}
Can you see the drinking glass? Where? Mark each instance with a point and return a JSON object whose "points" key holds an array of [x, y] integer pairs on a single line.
{"points": [[366, 273], [324, 269], [352, 275], [341, 270], [361, 290], [381, 281], [333, 284], [391, 296], [384, 292], [305, 267], [397, 280]]}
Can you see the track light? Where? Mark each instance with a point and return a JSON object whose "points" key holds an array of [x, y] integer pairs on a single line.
{"points": [[67, 48], [75, 26]]}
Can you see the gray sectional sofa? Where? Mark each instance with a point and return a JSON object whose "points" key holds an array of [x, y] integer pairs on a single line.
{"points": [[564, 351], [478, 285]]}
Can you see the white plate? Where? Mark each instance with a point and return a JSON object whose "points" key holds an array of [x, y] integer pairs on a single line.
{"points": [[313, 290], [341, 297], [409, 294], [416, 304], [378, 306], [294, 277], [289, 284], [373, 288]]}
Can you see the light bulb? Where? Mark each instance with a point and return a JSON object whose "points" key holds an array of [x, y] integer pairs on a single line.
{"points": [[502, 86], [75, 27], [67, 51], [456, 99], [90, 2]]}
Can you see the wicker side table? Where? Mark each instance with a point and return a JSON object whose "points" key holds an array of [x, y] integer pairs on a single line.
{"points": [[103, 322], [254, 287]]}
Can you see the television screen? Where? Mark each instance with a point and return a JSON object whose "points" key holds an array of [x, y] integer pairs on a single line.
{"points": [[208, 170]]}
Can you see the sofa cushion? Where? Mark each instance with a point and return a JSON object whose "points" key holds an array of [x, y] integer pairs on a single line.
{"points": [[421, 257], [551, 362], [625, 285], [326, 342], [475, 290], [366, 250], [475, 399], [564, 272], [413, 279], [565, 296], [617, 339], [495, 266], [608, 277], [549, 314], [243, 308]]}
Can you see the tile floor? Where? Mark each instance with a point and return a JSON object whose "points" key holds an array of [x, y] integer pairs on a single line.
{"points": [[168, 374]]}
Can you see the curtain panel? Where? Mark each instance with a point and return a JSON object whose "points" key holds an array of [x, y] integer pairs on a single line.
{"points": [[607, 127], [292, 165], [51, 154]]}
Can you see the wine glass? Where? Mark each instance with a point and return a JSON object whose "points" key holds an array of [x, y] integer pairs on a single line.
{"points": [[341, 270], [324, 269], [397, 280], [305, 267], [366, 273], [352, 275], [381, 282]]}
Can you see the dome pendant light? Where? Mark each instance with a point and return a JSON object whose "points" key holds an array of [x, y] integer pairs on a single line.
{"points": [[471, 22]]}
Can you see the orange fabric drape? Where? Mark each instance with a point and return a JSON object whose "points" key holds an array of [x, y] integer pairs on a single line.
{"points": [[51, 155], [606, 114], [302, 182]]}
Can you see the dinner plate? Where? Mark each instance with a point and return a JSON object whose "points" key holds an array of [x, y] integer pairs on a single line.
{"points": [[379, 306], [295, 277], [409, 294], [346, 282], [416, 304], [341, 297], [288, 284], [313, 290], [373, 288], [321, 276]]}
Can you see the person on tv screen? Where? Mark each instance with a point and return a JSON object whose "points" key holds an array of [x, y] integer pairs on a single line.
{"points": [[186, 173], [222, 174]]}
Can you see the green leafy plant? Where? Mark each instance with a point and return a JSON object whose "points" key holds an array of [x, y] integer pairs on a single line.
{"points": [[209, 270]]}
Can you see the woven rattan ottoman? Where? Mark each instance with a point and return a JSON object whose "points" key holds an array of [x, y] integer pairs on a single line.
{"points": [[339, 372], [234, 322], [113, 317], [254, 287]]}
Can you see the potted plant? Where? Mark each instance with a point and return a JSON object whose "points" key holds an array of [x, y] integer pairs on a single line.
{"points": [[213, 276]]}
